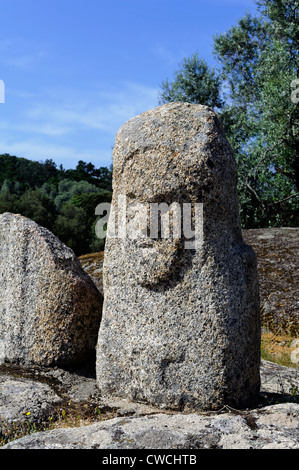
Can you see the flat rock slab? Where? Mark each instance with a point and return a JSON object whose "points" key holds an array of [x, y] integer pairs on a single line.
{"points": [[92, 263], [129, 425], [278, 379], [22, 398], [272, 427]]}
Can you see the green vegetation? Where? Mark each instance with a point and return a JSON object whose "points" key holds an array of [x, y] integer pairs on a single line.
{"points": [[16, 429], [278, 348], [64, 201], [72, 415], [258, 63], [195, 82]]}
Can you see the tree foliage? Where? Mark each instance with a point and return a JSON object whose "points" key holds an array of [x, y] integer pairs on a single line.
{"points": [[258, 60], [194, 82], [64, 201]]}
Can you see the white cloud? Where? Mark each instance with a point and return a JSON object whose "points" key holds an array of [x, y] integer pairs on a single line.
{"points": [[21, 59], [100, 110], [22, 62], [29, 128], [67, 155], [75, 125]]}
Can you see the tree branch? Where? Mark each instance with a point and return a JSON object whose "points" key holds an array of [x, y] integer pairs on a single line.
{"points": [[285, 173], [255, 195], [282, 200]]}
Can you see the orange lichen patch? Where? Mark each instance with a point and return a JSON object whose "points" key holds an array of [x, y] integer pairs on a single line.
{"points": [[98, 256], [278, 348], [92, 263]]}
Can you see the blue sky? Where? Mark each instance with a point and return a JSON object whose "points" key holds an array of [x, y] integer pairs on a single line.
{"points": [[75, 71]]}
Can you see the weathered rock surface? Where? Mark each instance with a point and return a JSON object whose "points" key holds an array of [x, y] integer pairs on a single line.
{"points": [[277, 251], [26, 400], [50, 310], [277, 379], [273, 427], [130, 425], [180, 326]]}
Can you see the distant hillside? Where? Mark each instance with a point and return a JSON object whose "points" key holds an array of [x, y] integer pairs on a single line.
{"points": [[63, 201]]}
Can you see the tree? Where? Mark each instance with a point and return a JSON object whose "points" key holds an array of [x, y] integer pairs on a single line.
{"points": [[70, 227], [101, 177], [8, 200], [259, 59], [104, 177], [56, 198], [50, 170], [88, 202], [68, 188], [194, 82], [36, 206]]}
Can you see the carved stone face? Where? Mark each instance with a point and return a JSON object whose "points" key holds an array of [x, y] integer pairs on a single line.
{"points": [[176, 158], [154, 236], [165, 182]]}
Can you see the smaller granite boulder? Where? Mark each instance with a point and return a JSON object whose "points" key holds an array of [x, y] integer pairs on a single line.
{"points": [[50, 310]]}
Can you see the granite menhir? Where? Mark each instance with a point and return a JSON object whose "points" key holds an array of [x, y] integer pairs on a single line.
{"points": [[181, 322]]}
